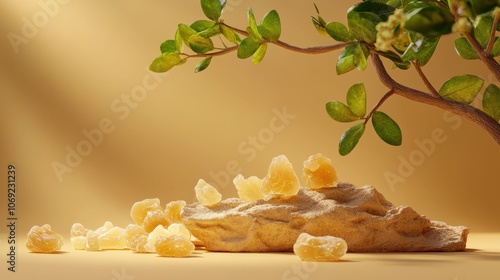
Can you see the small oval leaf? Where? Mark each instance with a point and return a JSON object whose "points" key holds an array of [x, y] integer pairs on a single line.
{"points": [[248, 47], [258, 56], [340, 112], [202, 65], [165, 62], [356, 99], [350, 138], [462, 88], [338, 31], [270, 26], [464, 49], [491, 101], [213, 8], [168, 46], [252, 28], [387, 129], [230, 35], [200, 44]]}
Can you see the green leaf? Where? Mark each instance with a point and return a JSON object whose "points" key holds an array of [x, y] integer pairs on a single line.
{"points": [[185, 32], [495, 51], [421, 51], [212, 31], [491, 101], [356, 99], [258, 56], [178, 41], [362, 29], [319, 26], [387, 129], [464, 49], [230, 35], [252, 28], [380, 10], [270, 26], [248, 47], [168, 46], [350, 138], [202, 25], [482, 30], [338, 31], [483, 6], [431, 21], [340, 112], [200, 44], [463, 88], [213, 8], [202, 65], [351, 57], [165, 62]]}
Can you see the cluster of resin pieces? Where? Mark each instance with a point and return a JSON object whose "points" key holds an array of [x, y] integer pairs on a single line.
{"points": [[156, 230], [281, 181], [161, 230]]}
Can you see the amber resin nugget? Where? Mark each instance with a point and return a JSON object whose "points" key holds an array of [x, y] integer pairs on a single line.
{"points": [[43, 240]]}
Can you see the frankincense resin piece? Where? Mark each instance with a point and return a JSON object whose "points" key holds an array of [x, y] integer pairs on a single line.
{"points": [[44, 240], [92, 241], [249, 189], [140, 209], [176, 245], [78, 230], [206, 194], [319, 249], [319, 172], [173, 211], [78, 242], [113, 239], [153, 219], [281, 179]]}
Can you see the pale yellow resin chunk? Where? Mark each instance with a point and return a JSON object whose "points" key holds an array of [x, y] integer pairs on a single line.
{"points": [[140, 209], [176, 245], [206, 194], [319, 172], [92, 241], [78, 230], [319, 249], [153, 219], [136, 237], [249, 189], [114, 239], [281, 179], [43, 240], [78, 242], [173, 211]]}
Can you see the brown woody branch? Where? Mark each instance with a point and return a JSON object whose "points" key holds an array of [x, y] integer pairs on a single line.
{"points": [[461, 109]]}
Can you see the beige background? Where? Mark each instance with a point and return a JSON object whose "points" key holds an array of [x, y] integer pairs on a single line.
{"points": [[91, 53]]}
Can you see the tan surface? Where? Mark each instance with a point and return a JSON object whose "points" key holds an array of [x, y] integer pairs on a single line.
{"points": [[480, 261]]}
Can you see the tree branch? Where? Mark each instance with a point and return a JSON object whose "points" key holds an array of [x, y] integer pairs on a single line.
{"points": [[309, 50], [425, 80], [461, 109]]}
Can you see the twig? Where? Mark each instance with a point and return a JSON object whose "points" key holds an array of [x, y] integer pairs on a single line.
{"points": [[425, 80], [212, 54], [379, 103], [308, 50]]}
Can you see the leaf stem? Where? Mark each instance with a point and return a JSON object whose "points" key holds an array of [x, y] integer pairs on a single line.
{"points": [[481, 118], [426, 81], [212, 54], [307, 50], [491, 42], [379, 103]]}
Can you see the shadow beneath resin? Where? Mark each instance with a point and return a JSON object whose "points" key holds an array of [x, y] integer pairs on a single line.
{"points": [[53, 253], [431, 257]]}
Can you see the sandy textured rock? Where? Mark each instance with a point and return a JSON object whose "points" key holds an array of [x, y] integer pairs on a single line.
{"points": [[361, 216]]}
